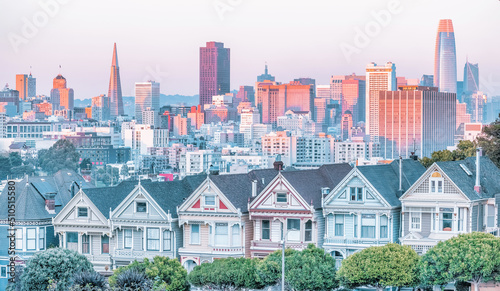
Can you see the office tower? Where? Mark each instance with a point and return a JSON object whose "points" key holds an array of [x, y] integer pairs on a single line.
{"points": [[274, 99], [471, 78], [100, 108], [427, 81], [115, 88], [26, 85], [462, 116], [336, 88], [246, 93], [197, 116], [147, 95], [477, 107], [323, 91], [182, 125], [61, 97], [320, 109], [353, 99], [378, 78], [151, 117], [9, 101], [214, 71], [445, 59], [419, 119], [266, 76], [346, 125]]}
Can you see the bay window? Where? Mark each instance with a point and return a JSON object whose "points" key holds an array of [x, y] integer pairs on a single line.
{"points": [[127, 238], [266, 229], [31, 239], [339, 224], [167, 240], [368, 226], [104, 244], [235, 235], [415, 221], [41, 238], [85, 244], [308, 231], [195, 234], [384, 222], [221, 234], [293, 228]]}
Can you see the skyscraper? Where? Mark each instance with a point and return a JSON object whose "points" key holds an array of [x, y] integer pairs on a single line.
{"points": [[353, 99], [415, 118], [445, 60], [115, 88], [378, 78], [100, 108], [214, 71], [26, 85], [147, 95], [471, 78], [61, 97]]}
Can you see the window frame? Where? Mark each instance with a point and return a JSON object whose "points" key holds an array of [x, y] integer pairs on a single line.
{"points": [[289, 228], [191, 241], [308, 231], [137, 207], [366, 226], [125, 238], [19, 237], [338, 228], [167, 240], [442, 220], [149, 239], [205, 200], [382, 225], [278, 198], [32, 239], [219, 236], [357, 194], [235, 237], [268, 229], [86, 212], [419, 223], [41, 238]]}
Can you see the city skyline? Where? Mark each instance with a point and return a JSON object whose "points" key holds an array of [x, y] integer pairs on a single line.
{"points": [[176, 66]]}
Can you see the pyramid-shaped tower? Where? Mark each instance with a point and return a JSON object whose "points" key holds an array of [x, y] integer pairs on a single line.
{"points": [[115, 88]]}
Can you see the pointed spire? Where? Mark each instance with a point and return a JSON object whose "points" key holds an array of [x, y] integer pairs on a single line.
{"points": [[114, 63]]}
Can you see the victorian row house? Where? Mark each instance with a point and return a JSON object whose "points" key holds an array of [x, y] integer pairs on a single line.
{"points": [[31, 205], [337, 207]]}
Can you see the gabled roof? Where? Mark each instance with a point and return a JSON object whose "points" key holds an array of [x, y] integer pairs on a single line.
{"points": [[167, 194], [308, 183], [238, 187], [385, 178], [490, 176], [31, 192]]}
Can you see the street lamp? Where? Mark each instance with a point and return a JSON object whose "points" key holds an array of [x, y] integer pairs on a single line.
{"points": [[283, 258]]}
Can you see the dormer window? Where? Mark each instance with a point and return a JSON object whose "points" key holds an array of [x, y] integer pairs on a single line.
{"points": [[83, 212], [281, 198], [436, 183], [141, 207], [356, 194], [210, 200]]}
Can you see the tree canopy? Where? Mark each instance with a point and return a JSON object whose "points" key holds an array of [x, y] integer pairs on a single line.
{"points": [[472, 258], [490, 141], [62, 155], [465, 149], [380, 267], [54, 267]]}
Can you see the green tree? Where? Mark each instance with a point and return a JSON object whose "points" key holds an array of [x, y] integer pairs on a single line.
{"points": [[490, 141], [472, 258], [310, 269], [380, 267], [465, 149], [62, 155], [227, 274], [5, 166], [54, 267], [86, 164], [15, 159], [124, 171], [166, 274]]}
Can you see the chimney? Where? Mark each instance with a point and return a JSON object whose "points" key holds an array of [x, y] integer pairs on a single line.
{"points": [[50, 203], [278, 164], [477, 186], [400, 173], [254, 188]]}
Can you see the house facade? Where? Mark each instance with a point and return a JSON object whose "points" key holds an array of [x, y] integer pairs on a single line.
{"points": [[214, 218], [37, 201], [289, 208], [363, 210], [114, 226], [450, 198]]}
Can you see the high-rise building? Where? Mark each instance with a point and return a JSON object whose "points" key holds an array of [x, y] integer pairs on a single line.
{"points": [[336, 88], [274, 99], [26, 85], [147, 95], [419, 119], [445, 59], [197, 116], [214, 71], [346, 125], [477, 107], [378, 78], [115, 88], [323, 91], [61, 97], [471, 78], [100, 108], [151, 117], [462, 116], [427, 81], [353, 99], [266, 76], [9, 101], [246, 93]]}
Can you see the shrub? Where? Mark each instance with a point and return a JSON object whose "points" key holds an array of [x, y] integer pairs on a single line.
{"points": [[133, 280], [89, 281]]}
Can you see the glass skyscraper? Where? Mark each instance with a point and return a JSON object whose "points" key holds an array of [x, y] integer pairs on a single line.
{"points": [[214, 71], [445, 61], [471, 78]]}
